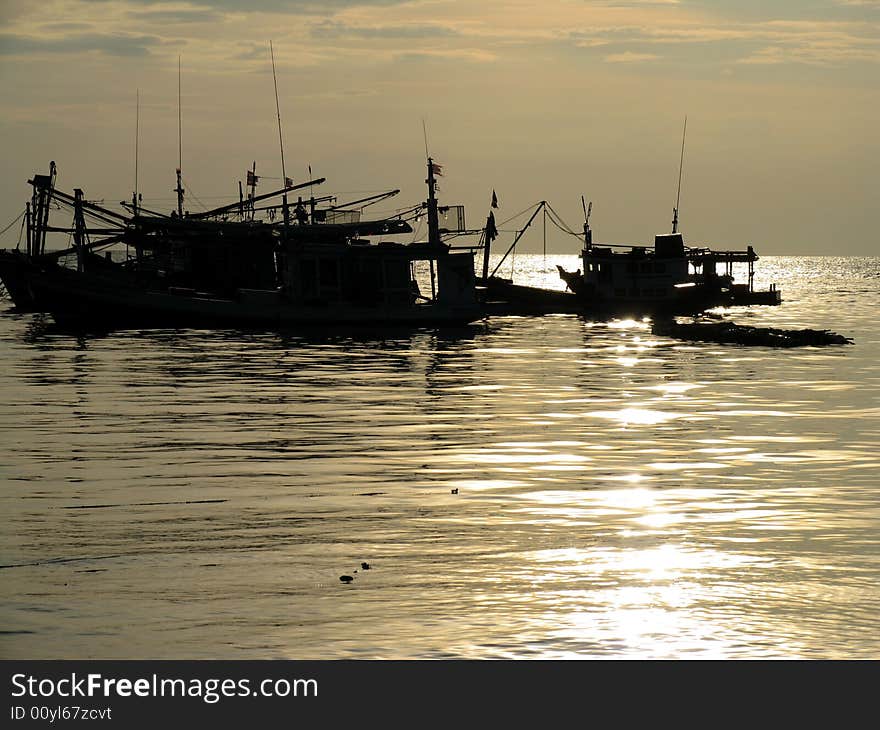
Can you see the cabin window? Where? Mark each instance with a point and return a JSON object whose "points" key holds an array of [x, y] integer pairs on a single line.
{"points": [[660, 268], [634, 292], [620, 292], [646, 268], [631, 267]]}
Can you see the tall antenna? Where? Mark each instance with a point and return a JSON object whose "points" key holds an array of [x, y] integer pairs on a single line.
{"points": [[179, 121], [278, 112], [680, 167], [137, 121], [179, 188], [425, 135]]}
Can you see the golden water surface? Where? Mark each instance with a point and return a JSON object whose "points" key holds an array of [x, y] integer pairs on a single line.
{"points": [[523, 488]]}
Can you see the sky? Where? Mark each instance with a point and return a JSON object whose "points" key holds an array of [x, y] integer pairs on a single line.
{"points": [[545, 100]]}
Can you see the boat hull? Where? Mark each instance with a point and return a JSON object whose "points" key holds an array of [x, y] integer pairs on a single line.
{"points": [[16, 272], [85, 299], [504, 297]]}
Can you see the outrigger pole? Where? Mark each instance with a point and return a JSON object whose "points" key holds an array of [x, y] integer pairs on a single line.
{"points": [[231, 206]]}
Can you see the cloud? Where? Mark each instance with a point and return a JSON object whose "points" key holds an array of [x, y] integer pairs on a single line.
{"points": [[177, 15], [471, 55], [630, 57], [322, 7], [335, 29], [224, 32], [111, 45]]}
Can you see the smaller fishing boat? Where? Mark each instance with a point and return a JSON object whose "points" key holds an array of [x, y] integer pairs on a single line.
{"points": [[613, 280]]}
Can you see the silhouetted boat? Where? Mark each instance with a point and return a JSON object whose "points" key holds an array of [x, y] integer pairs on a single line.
{"points": [[313, 267], [668, 278]]}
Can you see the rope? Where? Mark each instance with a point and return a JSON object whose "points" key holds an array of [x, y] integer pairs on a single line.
{"points": [[561, 224], [17, 218], [522, 212], [192, 194]]}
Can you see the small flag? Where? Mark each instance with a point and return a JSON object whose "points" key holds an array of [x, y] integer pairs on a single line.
{"points": [[288, 182], [252, 179], [437, 169], [491, 230], [494, 200]]}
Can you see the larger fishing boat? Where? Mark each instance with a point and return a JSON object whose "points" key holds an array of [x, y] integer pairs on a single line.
{"points": [[226, 267]]}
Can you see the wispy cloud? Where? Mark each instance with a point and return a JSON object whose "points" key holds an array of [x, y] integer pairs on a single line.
{"points": [[336, 29], [112, 45], [630, 57], [621, 32]]}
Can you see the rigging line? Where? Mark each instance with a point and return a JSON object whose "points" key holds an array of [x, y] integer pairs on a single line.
{"points": [[563, 229], [425, 134], [681, 162], [566, 231], [561, 225], [12, 223], [193, 195], [20, 234], [278, 112], [517, 215], [545, 236], [568, 228], [416, 232]]}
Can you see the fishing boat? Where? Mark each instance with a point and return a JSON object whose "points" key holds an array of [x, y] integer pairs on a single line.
{"points": [[668, 278], [226, 267], [663, 279], [615, 280]]}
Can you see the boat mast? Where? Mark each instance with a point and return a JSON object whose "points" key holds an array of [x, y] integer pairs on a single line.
{"points": [[179, 188], [433, 219], [588, 234], [680, 166]]}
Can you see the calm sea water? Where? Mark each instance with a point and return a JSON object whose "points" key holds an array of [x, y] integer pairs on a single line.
{"points": [[526, 487]]}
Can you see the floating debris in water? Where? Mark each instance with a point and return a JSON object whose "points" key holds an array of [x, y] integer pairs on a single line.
{"points": [[738, 334], [346, 578], [365, 566], [455, 491]]}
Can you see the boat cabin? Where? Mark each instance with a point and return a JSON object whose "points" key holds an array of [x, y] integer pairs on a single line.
{"points": [[637, 274]]}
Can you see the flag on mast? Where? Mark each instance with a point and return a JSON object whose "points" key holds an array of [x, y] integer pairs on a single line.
{"points": [[494, 200], [491, 230], [288, 182], [252, 179], [437, 169]]}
